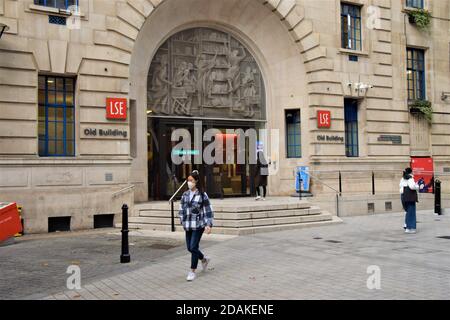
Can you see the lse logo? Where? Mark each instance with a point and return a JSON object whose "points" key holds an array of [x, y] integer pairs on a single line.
{"points": [[323, 119], [116, 108]]}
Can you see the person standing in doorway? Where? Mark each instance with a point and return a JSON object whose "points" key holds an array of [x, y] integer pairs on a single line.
{"points": [[261, 174], [409, 198], [196, 216]]}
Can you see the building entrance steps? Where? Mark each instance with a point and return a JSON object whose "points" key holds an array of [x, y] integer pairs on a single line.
{"points": [[238, 216]]}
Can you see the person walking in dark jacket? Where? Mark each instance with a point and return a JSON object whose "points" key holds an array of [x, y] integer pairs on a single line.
{"points": [[409, 198], [196, 216], [261, 174]]}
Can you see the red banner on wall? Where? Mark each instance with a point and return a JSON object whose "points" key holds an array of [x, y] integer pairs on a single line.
{"points": [[10, 223], [423, 170]]}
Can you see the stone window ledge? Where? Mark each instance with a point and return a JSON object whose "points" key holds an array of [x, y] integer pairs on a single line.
{"points": [[406, 9], [53, 11], [63, 162], [353, 52]]}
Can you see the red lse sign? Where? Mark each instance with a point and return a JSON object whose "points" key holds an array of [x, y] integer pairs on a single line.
{"points": [[323, 119], [116, 108]]}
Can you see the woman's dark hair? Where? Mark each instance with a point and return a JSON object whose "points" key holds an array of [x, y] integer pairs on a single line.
{"points": [[407, 173], [196, 175]]}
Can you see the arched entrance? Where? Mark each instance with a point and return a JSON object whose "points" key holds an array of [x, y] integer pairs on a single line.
{"points": [[206, 75], [259, 29]]}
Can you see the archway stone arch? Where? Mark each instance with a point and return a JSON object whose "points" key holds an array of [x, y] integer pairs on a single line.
{"points": [[311, 65]]}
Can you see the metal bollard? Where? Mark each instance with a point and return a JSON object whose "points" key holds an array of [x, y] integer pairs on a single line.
{"points": [[373, 183], [125, 256], [437, 197], [340, 183], [172, 216]]}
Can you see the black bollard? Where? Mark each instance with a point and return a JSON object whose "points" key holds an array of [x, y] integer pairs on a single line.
{"points": [[340, 183], [125, 256], [437, 197], [172, 216], [373, 183]]}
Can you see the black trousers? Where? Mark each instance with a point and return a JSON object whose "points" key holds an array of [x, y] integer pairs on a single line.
{"points": [[193, 243], [258, 191]]}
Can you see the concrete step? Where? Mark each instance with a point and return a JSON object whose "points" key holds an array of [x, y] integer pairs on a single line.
{"points": [[235, 223], [313, 221], [239, 215], [264, 229], [230, 205], [152, 222]]}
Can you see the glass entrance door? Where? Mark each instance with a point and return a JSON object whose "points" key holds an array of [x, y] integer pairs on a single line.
{"points": [[230, 179]]}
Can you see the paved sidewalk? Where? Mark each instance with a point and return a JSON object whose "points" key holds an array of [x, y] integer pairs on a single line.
{"points": [[319, 263]]}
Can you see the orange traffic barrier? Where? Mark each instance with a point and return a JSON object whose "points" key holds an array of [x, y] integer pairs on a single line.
{"points": [[10, 223]]}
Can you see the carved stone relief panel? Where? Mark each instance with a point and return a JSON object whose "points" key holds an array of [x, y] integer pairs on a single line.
{"points": [[206, 73]]}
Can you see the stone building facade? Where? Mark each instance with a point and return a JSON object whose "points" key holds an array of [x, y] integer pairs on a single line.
{"points": [[296, 47]]}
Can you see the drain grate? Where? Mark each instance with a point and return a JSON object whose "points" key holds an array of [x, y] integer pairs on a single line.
{"points": [[394, 241], [444, 237], [333, 241]]}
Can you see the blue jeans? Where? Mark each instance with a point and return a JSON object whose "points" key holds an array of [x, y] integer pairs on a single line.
{"points": [[193, 243], [410, 218]]}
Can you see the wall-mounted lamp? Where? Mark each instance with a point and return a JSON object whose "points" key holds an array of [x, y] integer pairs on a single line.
{"points": [[3, 28], [445, 96]]}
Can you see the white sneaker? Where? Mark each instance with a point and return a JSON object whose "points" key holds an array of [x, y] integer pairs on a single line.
{"points": [[410, 231], [191, 276], [264, 199], [258, 198], [205, 263]]}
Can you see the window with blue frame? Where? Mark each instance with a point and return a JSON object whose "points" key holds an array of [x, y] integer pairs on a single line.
{"points": [[416, 74], [351, 27], [59, 4], [351, 128], [414, 4], [293, 134], [56, 116]]}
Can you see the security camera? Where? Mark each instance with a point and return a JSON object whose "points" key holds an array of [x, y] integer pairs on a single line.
{"points": [[445, 96]]}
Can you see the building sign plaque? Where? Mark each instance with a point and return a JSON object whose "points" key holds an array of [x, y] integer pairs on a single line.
{"points": [[105, 133], [330, 138], [390, 138]]}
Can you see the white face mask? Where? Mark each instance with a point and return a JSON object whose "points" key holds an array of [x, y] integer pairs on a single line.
{"points": [[191, 185]]}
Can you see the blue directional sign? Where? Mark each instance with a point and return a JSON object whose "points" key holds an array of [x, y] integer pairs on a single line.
{"points": [[303, 174]]}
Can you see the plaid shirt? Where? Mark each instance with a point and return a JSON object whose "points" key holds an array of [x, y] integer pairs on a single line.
{"points": [[195, 214]]}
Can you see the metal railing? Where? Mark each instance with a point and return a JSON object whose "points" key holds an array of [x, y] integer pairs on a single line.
{"points": [[434, 184], [338, 193], [371, 174], [172, 202], [115, 194]]}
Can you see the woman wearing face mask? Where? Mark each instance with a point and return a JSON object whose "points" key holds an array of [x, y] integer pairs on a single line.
{"points": [[408, 191], [196, 216]]}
